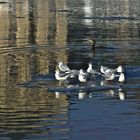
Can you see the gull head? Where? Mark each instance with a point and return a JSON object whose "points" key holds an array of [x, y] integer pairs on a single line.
{"points": [[93, 41], [60, 63], [89, 67], [120, 69]]}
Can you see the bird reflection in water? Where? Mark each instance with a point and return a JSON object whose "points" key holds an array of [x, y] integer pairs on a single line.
{"points": [[111, 92], [122, 94], [57, 95], [81, 95]]}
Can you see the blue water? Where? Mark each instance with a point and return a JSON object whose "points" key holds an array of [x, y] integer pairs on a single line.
{"points": [[35, 36]]}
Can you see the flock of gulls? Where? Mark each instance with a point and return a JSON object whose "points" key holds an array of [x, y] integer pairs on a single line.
{"points": [[63, 73]]}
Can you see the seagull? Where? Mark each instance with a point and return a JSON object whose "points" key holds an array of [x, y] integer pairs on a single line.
{"points": [[105, 69], [61, 76], [62, 67], [109, 76], [72, 73], [82, 76], [121, 78], [92, 71]]}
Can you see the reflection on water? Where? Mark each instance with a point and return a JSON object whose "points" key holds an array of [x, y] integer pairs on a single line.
{"points": [[35, 35], [29, 111]]}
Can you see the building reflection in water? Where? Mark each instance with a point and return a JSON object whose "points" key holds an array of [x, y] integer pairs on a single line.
{"points": [[29, 111], [114, 20], [25, 25]]}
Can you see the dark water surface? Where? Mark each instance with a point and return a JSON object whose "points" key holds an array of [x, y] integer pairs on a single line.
{"points": [[34, 36]]}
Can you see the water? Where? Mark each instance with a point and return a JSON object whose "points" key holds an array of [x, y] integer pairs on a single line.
{"points": [[34, 36]]}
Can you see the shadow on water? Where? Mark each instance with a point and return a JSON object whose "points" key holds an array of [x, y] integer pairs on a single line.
{"points": [[35, 36]]}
